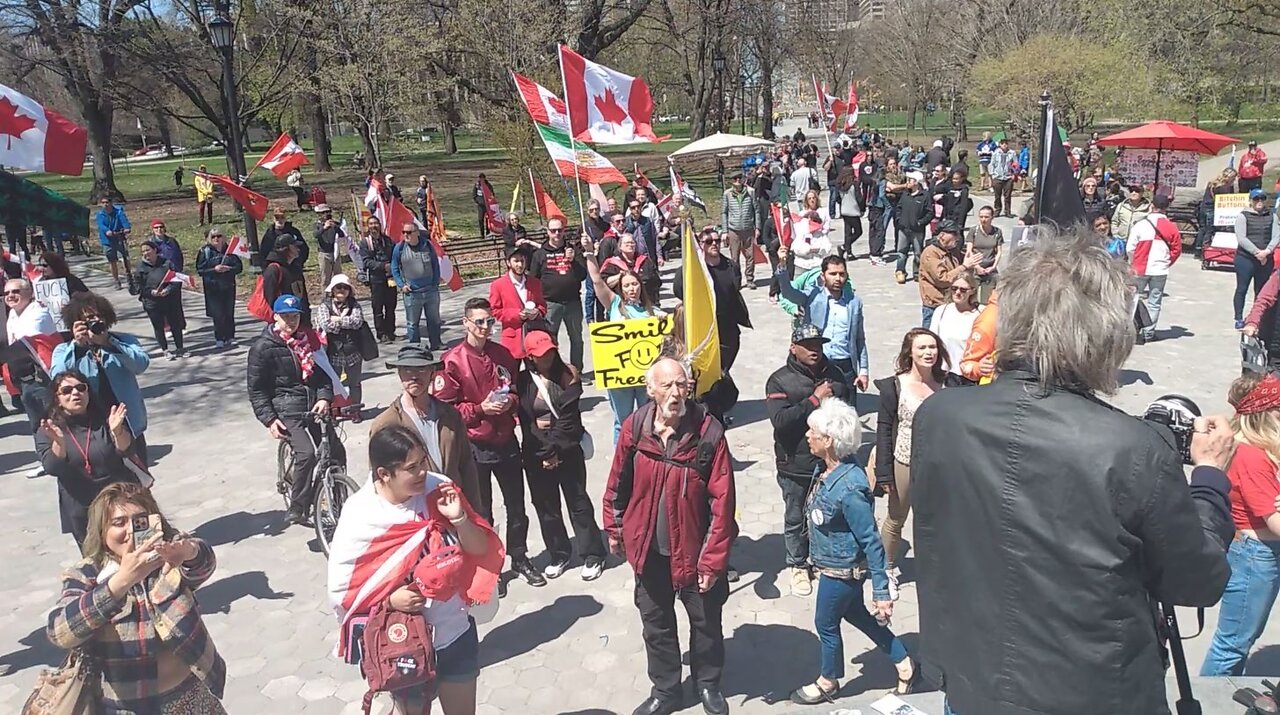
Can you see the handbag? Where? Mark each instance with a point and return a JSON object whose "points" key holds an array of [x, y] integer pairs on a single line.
{"points": [[366, 343], [74, 688], [588, 446], [257, 305]]}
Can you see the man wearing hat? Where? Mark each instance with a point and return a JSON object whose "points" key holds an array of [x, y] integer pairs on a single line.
{"points": [[516, 298], [1252, 165], [915, 211], [1257, 236], [792, 393], [940, 263], [327, 234], [439, 424], [282, 273]]}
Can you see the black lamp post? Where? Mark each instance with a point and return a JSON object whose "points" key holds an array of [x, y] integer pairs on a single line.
{"points": [[222, 33], [717, 64]]}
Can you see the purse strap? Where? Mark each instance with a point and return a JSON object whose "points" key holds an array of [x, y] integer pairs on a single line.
{"points": [[541, 383]]}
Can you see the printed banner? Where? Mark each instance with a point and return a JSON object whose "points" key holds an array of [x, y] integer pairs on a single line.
{"points": [[1227, 207], [1177, 168], [622, 350], [53, 294]]}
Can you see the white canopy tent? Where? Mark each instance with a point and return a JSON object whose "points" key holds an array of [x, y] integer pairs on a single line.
{"points": [[721, 144]]}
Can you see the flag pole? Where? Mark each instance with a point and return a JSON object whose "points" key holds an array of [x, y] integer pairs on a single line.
{"points": [[533, 189], [822, 109], [568, 110], [1045, 104]]}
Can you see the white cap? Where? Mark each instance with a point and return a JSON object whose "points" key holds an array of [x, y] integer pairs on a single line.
{"points": [[337, 280], [916, 175]]}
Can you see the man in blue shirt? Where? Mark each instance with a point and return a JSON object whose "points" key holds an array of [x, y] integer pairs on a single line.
{"points": [[415, 267], [113, 234], [829, 304], [986, 148]]}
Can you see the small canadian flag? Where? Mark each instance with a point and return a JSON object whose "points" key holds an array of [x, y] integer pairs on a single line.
{"points": [[173, 276], [238, 247]]}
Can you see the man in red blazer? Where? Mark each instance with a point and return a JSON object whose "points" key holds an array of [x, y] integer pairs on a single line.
{"points": [[516, 299]]}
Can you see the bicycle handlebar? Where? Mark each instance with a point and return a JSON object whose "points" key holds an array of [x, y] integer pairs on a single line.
{"points": [[335, 414]]}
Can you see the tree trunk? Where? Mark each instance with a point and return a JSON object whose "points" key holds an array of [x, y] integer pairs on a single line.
{"points": [[366, 140], [319, 133], [450, 121], [766, 86], [166, 134], [104, 173], [450, 137], [911, 116]]}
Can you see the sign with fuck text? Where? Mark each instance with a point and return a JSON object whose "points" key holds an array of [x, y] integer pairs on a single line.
{"points": [[623, 350]]}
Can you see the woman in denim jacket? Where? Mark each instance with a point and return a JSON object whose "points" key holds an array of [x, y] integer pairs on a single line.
{"points": [[844, 546]]}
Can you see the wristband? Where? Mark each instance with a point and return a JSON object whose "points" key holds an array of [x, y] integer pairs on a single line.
{"points": [[459, 520]]}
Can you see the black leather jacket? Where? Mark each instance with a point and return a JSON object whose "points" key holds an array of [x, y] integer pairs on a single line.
{"points": [[1044, 526], [274, 379], [789, 401]]}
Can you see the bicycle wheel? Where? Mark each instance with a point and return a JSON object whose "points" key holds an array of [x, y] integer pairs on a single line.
{"points": [[284, 472], [335, 488]]}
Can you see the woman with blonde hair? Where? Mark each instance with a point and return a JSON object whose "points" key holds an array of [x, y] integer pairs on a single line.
{"points": [[953, 321], [814, 244], [1254, 555], [131, 607]]}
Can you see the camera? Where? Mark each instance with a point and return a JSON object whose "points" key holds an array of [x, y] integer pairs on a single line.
{"points": [[97, 327], [1178, 414]]}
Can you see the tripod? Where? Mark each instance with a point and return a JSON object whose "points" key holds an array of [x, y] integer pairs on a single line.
{"points": [[1187, 703]]}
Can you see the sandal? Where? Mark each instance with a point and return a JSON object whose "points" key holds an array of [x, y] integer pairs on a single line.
{"points": [[912, 684], [812, 694]]}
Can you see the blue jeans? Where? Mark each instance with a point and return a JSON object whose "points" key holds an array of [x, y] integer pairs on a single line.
{"points": [[926, 314], [1249, 270], [1151, 288], [1246, 604], [624, 401], [833, 200], [419, 305], [842, 600], [588, 300], [570, 314]]}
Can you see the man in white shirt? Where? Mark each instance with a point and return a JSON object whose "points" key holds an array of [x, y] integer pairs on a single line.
{"points": [[802, 180]]}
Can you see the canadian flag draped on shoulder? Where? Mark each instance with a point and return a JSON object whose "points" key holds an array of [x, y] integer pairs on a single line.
{"points": [[605, 106], [392, 215]]}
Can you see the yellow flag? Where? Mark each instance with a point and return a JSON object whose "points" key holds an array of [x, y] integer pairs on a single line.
{"points": [[515, 198], [701, 335]]}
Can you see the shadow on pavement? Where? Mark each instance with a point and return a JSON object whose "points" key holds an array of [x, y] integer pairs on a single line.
{"points": [[878, 672], [218, 596], [38, 652], [1264, 663], [1129, 377], [793, 661], [758, 561], [532, 629], [234, 528]]}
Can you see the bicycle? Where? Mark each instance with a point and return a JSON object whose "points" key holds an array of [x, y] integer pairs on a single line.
{"points": [[332, 485]]}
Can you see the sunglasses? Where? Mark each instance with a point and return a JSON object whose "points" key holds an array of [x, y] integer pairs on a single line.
{"points": [[215, 235], [13, 291], [481, 323], [78, 387], [407, 231], [617, 220], [555, 230], [710, 241], [959, 289]]}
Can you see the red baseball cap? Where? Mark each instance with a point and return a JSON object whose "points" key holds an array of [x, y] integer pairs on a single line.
{"points": [[157, 223], [538, 343]]}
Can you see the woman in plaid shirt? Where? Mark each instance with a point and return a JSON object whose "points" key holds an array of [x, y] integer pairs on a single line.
{"points": [[131, 607]]}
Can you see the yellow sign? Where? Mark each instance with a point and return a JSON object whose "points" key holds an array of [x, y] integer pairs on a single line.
{"points": [[622, 350]]}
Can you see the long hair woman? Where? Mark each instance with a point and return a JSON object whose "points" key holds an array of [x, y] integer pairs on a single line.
{"points": [[629, 258], [852, 206], [952, 322], [1254, 555], [403, 503], [921, 369], [131, 607], [548, 393], [85, 446], [54, 266], [627, 298], [842, 532]]}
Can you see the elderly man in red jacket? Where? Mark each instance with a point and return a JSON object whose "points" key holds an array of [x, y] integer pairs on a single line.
{"points": [[669, 509]]}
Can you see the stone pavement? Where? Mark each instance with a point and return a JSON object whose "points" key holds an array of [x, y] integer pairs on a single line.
{"points": [[570, 647]]}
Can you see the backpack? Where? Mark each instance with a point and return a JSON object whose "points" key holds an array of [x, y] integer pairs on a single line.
{"points": [[707, 442], [397, 652]]}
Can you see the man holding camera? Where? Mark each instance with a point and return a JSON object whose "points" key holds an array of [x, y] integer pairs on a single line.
{"points": [[1045, 534]]}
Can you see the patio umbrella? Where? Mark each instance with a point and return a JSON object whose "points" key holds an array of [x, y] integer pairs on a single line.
{"points": [[1163, 134], [721, 144]]}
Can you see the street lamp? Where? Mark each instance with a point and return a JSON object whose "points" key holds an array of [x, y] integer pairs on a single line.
{"points": [[717, 64], [222, 33]]}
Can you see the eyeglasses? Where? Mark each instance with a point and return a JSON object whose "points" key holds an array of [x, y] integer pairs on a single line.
{"points": [[555, 230], [407, 231], [13, 291], [78, 387], [710, 241], [961, 289], [215, 235], [481, 323]]}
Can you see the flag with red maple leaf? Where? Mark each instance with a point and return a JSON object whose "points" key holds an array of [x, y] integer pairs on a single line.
{"points": [[39, 139], [605, 106]]}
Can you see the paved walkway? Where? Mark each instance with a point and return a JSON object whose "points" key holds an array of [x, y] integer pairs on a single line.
{"points": [[570, 647]]}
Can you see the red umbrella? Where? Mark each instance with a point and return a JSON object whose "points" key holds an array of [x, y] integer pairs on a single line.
{"points": [[1163, 134]]}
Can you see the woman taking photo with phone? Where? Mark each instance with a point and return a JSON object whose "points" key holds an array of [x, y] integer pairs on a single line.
{"points": [[403, 503], [129, 605], [85, 446]]}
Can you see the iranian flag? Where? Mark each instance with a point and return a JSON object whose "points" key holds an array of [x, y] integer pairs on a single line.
{"points": [[253, 203], [851, 120], [283, 157], [547, 207], [544, 107], [172, 276], [572, 157], [38, 139], [604, 105]]}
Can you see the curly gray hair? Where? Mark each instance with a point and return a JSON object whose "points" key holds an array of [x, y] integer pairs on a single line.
{"points": [[836, 419]]}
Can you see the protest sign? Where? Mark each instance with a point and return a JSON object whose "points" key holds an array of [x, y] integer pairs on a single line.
{"points": [[622, 350], [53, 294], [1177, 168], [1226, 207]]}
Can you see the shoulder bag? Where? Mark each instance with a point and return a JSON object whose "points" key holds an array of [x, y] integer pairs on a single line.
{"points": [[74, 688]]}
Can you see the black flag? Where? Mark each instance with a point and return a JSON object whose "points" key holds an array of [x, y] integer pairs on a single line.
{"points": [[1057, 194]]}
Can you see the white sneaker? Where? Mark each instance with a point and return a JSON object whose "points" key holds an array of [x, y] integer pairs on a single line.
{"points": [[555, 569], [36, 471], [218, 345], [592, 569], [800, 582], [895, 573]]}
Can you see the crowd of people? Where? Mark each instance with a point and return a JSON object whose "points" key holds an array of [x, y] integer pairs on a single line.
{"points": [[504, 404]]}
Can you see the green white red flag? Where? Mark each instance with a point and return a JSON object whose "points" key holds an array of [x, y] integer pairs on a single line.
{"points": [[575, 158]]}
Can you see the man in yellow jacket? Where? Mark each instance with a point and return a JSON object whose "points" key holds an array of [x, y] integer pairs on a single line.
{"points": [[204, 195]]}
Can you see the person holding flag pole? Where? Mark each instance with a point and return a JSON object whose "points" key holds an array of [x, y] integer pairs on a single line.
{"points": [[218, 267]]}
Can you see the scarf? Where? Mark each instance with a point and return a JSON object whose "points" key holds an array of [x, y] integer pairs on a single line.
{"points": [[300, 344], [1264, 396]]}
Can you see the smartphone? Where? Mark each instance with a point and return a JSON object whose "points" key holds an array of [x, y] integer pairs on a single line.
{"points": [[145, 526]]}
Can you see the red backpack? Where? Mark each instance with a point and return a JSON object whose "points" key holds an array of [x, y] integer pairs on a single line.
{"points": [[397, 652]]}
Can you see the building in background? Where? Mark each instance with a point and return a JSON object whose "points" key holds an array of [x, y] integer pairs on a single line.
{"points": [[824, 15], [870, 10]]}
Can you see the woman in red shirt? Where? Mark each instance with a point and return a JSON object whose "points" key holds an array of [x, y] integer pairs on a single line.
{"points": [[1254, 555]]}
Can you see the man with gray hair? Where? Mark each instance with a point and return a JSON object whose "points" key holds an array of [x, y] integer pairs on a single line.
{"points": [[669, 510], [1048, 522]]}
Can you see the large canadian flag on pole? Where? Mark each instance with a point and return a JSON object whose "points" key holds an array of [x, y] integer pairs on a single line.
{"points": [[851, 119], [39, 139], [283, 157], [544, 107], [604, 105]]}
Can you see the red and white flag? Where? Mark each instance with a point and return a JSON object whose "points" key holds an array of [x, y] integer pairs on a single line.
{"points": [[253, 203], [394, 215], [172, 276], [597, 193], [829, 106], [238, 247], [604, 105], [544, 107], [659, 199], [39, 139], [493, 218], [547, 207], [283, 157], [851, 119]]}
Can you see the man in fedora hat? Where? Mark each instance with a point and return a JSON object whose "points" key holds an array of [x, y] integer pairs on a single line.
{"points": [[438, 423]]}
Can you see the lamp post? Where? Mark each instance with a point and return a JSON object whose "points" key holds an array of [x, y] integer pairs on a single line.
{"points": [[717, 64], [222, 33]]}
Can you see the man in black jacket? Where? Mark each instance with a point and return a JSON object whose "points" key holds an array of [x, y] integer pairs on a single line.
{"points": [[279, 227], [731, 310], [792, 393], [915, 211], [561, 270], [282, 274], [375, 250], [1048, 522]]}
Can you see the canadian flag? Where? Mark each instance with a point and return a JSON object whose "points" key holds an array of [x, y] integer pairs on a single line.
{"points": [[544, 107], [172, 276], [238, 247], [659, 199], [604, 105], [283, 157], [547, 207], [494, 220], [38, 139], [851, 119], [253, 203], [828, 105], [394, 215]]}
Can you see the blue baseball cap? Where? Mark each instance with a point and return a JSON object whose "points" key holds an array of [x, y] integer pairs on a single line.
{"points": [[286, 304], [1257, 194]]}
